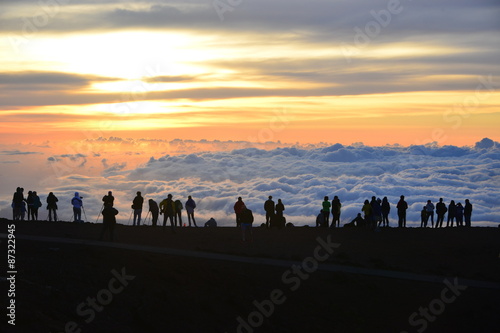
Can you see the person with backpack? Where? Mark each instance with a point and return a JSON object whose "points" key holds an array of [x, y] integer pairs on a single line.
{"points": [[190, 206], [386, 209], [52, 206], [402, 206], [155, 210], [17, 203], [167, 208], [178, 212], [77, 203], [376, 211], [269, 209], [440, 211], [29, 202], [467, 212]]}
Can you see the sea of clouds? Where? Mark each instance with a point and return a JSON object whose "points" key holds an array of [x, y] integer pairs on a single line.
{"points": [[300, 176]]}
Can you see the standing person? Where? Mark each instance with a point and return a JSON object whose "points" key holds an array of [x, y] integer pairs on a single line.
{"points": [[429, 208], [167, 208], [238, 207], [246, 224], [178, 212], [153, 208], [467, 212], [108, 200], [137, 207], [402, 206], [269, 209], [279, 208], [29, 202], [367, 209], [440, 211], [336, 206], [452, 209], [386, 208], [376, 211], [423, 218], [36, 204], [17, 202], [326, 212], [52, 206], [190, 206], [459, 214], [77, 203], [108, 221]]}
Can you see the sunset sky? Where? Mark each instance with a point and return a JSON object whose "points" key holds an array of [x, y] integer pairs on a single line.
{"points": [[377, 72]]}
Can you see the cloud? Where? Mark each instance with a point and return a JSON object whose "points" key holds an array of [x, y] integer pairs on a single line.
{"points": [[17, 152]]}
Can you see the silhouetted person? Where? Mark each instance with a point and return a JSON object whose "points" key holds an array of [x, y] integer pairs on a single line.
{"points": [[211, 223], [320, 219], [77, 203], [326, 212], [108, 221], [155, 210], [376, 212], [429, 208], [167, 208], [238, 207], [402, 206], [336, 207], [246, 224], [367, 209], [452, 210], [22, 211], [52, 206], [423, 218], [459, 214], [190, 206], [269, 209], [440, 211], [386, 209], [467, 212], [178, 212], [29, 202], [279, 208], [36, 205], [137, 207], [108, 200], [17, 201], [358, 221]]}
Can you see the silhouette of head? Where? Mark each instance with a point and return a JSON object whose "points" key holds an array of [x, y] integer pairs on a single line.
{"points": [[402, 197], [270, 197], [326, 198]]}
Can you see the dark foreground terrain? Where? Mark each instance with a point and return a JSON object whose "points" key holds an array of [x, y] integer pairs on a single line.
{"points": [[85, 287]]}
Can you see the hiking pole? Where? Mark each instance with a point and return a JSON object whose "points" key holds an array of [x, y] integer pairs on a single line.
{"points": [[83, 208], [99, 214]]}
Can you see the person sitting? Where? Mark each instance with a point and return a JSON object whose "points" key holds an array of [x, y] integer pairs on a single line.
{"points": [[356, 222], [211, 223]]}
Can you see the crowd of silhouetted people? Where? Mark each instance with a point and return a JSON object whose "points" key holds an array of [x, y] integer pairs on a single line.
{"points": [[375, 212]]}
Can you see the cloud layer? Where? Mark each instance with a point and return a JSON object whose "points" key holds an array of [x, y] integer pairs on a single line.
{"points": [[301, 177]]}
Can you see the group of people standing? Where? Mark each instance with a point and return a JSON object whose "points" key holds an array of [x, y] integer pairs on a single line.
{"points": [[323, 218], [376, 213]]}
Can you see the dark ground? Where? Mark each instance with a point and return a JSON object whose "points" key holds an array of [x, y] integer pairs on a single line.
{"points": [[184, 294]]}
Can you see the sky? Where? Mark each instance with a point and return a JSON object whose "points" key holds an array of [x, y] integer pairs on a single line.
{"points": [[91, 92]]}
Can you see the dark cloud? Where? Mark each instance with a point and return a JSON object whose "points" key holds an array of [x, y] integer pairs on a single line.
{"points": [[18, 152]]}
